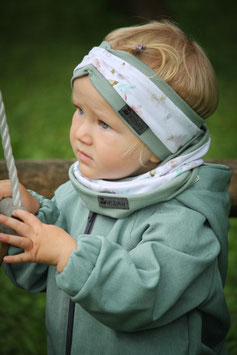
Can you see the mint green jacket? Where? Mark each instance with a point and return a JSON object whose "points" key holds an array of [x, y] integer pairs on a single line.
{"points": [[148, 279]]}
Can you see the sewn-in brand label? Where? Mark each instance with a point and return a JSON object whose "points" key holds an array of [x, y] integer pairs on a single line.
{"points": [[113, 202], [133, 119]]}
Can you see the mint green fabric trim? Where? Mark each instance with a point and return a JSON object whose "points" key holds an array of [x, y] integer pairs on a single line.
{"points": [[135, 202], [114, 100], [158, 81]]}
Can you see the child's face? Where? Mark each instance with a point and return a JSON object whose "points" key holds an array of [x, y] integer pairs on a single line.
{"points": [[100, 139]]}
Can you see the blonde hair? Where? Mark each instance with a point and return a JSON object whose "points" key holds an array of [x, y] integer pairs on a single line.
{"points": [[180, 61]]}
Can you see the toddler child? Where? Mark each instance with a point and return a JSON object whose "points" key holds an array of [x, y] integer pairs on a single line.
{"points": [[132, 250]]}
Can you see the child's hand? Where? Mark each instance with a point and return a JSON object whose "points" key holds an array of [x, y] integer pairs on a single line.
{"points": [[45, 244], [29, 202]]}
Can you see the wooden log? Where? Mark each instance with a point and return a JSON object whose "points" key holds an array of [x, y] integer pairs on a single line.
{"points": [[44, 176]]}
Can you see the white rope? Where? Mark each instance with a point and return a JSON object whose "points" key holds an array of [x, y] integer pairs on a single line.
{"points": [[10, 162]]}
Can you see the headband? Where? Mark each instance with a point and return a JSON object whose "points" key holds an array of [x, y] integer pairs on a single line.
{"points": [[142, 99]]}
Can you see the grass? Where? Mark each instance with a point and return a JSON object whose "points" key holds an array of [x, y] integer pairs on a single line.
{"points": [[22, 326], [35, 82]]}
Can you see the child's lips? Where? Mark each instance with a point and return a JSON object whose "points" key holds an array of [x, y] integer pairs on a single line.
{"points": [[83, 156]]}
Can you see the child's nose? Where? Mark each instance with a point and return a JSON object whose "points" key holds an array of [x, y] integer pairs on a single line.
{"points": [[84, 132]]}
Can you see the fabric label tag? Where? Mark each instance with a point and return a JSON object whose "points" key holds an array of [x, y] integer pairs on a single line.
{"points": [[133, 119], [113, 202]]}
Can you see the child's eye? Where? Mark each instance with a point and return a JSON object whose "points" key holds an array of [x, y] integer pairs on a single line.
{"points": [[80, 111], [104, 125]]}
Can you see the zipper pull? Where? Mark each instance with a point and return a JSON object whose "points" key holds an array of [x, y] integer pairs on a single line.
{"points": [[90, 216]]}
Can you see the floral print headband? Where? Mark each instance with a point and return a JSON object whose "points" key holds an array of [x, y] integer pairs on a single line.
{"points": [[147, 104]]}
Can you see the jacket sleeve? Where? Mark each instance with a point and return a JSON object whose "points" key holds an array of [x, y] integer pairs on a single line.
{"points": [[32, 276], [170, 272]]}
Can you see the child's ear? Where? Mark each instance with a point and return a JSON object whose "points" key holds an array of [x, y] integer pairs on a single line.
{"points": [[154, 159]]}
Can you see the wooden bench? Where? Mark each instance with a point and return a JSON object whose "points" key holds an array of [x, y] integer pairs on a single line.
{"points": [[44, 176]]}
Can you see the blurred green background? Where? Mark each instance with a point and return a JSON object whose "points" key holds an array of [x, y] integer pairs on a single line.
{"points": [[41, 42]]}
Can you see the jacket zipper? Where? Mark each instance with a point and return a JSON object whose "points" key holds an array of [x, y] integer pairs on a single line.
{"points": [[71, 312]]}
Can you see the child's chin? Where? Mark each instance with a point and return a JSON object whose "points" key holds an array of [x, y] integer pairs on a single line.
{"points": [[88, 174]]}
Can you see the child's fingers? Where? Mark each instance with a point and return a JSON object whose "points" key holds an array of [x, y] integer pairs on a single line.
{"points": [[20, 227], [5, 189], [20, 258], [20, 242], [27, 217]]}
